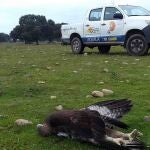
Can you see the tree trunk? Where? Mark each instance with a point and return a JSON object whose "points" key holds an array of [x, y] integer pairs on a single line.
{"points": [[37, 42]]}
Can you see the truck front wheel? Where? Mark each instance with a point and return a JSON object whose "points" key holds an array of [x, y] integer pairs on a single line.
{"points": [[137, 45], [77, 45], [104, 49]]}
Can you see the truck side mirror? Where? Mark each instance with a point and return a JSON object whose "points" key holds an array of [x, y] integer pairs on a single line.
{"points": [[118, 16]]}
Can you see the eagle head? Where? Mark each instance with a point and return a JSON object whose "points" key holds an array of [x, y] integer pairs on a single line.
{"points": [[44, 130]]}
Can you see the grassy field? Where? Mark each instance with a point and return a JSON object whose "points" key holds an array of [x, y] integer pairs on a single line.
{"points": [[30, 75]]}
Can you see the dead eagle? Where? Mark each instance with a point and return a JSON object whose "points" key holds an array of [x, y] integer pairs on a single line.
{"points": [[94, 124]]}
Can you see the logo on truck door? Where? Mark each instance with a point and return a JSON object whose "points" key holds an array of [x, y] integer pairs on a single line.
{"points": [[112, 26], [92, 30]]}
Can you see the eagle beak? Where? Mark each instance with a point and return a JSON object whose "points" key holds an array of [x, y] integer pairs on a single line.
{"points": [[39, 126], [43, 130]]}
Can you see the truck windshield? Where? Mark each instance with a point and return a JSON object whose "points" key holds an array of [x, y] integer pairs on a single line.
{"points": [[134, 10]]}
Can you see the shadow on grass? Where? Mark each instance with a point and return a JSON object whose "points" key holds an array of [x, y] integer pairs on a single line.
{"points": [[97, 53], [109, 54]]}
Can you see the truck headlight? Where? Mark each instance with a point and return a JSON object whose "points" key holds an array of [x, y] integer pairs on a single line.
{"points": [[148, 22]]}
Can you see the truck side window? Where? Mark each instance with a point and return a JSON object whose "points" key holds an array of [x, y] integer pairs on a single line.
{"points": [[95, 14], [109, 13]]}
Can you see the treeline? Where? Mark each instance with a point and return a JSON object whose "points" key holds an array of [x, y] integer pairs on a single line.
{"points": [[4, 37], [35, 28]]}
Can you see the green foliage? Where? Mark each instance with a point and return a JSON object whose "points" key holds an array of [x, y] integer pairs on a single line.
{"points": [[23, 96], [32, 20], [16, 33], [33, 28], [4, 37]]}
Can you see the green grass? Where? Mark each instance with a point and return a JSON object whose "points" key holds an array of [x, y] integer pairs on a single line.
{"points": [[21, 96]]}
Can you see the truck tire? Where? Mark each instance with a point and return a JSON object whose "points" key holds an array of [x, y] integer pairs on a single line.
{"points": [[137, 45], [77, 45], [104, 49]]}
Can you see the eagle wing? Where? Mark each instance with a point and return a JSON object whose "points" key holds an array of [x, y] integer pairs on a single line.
{"points": [[111, 111], [113, 108]]}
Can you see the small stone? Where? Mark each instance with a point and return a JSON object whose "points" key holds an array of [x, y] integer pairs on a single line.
{"points": [[57, 64], [106, 70], [85, 54], [137, 59], [49, 68], [134, 63], [75, 71], [127, 81], [88, 96], [101, 82], [121, 81], [107, 92], [147, 118], [59, 107], [41, 82], [106, 61], [125, 63], [23, 122], [145, 74], [97, 94], [34, 66], [19, 62], [53, 97]]}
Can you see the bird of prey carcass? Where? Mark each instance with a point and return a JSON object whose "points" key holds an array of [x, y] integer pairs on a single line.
{"points": [[95, 124]]}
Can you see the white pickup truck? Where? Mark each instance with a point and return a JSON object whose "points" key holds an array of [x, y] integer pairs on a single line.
{"points": [[108, 26]]}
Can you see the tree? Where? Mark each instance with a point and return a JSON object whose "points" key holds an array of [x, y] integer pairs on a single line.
{"points": [[48, 30], [51, 22], [36, 34], [16, 33], [27, 37], [32, 20], [4, 37], [57, 31], [33, 28]]}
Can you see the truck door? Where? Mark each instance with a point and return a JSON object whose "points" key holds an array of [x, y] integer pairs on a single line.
{"points": [[92, 26], [111, 28]]}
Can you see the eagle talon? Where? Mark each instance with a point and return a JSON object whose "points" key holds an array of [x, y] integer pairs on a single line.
{"points": [[134, 135]]}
